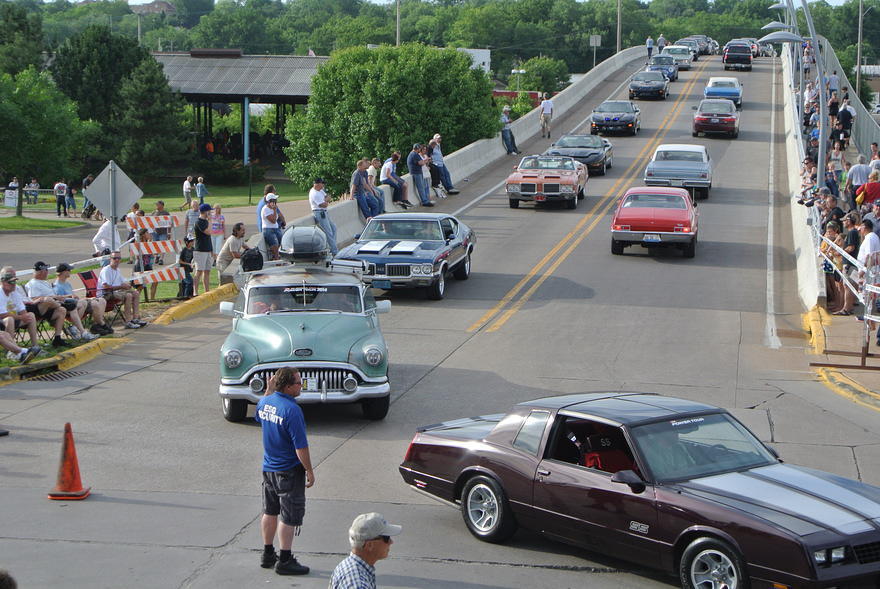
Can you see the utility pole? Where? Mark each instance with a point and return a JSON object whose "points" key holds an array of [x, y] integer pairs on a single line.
{"points": [[618, 26], [139, 28], [859, 51], [398, 23]]}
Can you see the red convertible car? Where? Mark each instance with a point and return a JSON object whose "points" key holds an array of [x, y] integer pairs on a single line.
{"points": [[667, 483], [547, 178], [653, 216]]}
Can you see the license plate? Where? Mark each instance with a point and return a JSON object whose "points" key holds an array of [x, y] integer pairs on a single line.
{"points": [[385, 284], [676, 183], [651, 237], [714, 120]]}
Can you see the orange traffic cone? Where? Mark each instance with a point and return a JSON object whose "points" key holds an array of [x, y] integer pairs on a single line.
{"points": [[69, 486]]}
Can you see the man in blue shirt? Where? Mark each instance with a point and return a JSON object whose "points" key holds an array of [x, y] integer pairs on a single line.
{"points": [[370, 539], [287, 469]]}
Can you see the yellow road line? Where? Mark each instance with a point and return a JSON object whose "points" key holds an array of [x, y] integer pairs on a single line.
{"points": [[509, 296], [605, 204]]}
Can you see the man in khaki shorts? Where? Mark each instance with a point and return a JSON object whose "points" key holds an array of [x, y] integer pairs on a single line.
{"points": [[203, 258]]}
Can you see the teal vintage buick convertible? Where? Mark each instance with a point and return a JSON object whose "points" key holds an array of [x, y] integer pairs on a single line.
{"points": [[318, 317]]}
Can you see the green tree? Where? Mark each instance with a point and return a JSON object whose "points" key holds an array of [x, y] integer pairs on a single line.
{"points": [[149, 121], [543, 74], [190, 11], [40, 132], [369, 102], [231, 25], [89, 69], [21, 44]]}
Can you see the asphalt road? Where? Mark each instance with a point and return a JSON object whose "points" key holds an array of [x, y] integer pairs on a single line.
{"points": [[548, 310]]}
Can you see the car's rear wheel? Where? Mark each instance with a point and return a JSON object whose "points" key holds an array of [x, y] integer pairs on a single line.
{"points": [[695, 134], [234, 410], [735, 134], [709, 563], [690, 249], [514, 203], [616, 247], [376, 409], [436, 291], [609, 162], [464, 269], [485, 510]]}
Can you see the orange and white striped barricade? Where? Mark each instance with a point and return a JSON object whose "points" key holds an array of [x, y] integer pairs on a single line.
{"points": [[163, 275], [157, 248], [152, 222]]}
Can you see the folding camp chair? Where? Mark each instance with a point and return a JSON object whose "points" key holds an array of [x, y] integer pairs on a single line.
{"points": [[90, 282]]}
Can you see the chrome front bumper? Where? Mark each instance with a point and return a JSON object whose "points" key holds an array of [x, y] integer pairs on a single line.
{"points": [[540, 197]]}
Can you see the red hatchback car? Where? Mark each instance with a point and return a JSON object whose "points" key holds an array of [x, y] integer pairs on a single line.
{"points": [[653, 216], [716, 115]]}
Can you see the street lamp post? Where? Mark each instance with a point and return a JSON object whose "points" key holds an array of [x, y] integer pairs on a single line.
{"points": [[862, 14], [518, 73], [618, 25]]}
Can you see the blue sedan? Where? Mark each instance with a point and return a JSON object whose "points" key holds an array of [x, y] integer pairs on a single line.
{"points": [[665, 64], [727, 88], [413, 250]]}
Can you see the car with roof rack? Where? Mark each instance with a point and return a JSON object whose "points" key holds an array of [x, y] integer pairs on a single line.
{"points": [[314, 314]]}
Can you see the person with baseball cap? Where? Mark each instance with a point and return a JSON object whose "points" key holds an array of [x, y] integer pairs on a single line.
{"points": [[436, 153], [370, 538], [507, 133], [204, 252]]}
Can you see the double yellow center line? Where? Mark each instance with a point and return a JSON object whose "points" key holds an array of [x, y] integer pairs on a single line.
{"points": [[511, 302]]}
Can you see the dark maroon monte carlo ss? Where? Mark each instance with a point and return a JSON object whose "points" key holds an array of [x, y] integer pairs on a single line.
{"points": [[664, 482]]}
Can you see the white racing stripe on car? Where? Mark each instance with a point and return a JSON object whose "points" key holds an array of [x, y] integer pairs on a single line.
{"points": [[373, 247], [406, 247]]}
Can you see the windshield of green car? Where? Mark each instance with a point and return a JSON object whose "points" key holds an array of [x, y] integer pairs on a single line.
{"points": [[304, 297], [694, 447], [419, 230], [587, 141]]}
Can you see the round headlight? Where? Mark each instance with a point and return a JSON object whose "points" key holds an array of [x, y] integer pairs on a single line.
{"points": [[373, 356], [427, 268], [257, 384], [233, 359], [416, 269]]}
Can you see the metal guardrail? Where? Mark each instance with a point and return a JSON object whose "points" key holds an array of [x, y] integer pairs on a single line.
{"points": [[865, 129]]}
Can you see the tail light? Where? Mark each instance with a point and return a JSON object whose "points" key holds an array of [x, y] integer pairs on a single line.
{"points": [[409, 451], [649, 173], [728, 120], [617, 227], [704, 175], [683, 229], [702, 120]]}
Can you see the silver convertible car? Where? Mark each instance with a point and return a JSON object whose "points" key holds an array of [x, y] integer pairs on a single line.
{"points": [[683, 166]]}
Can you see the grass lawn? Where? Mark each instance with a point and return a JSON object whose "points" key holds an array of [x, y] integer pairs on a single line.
{"points": [[226, 196], [29, 224]]}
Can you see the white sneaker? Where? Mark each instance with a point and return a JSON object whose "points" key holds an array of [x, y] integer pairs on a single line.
{"points": [[132, 325], [87, 337], [72, 331]]}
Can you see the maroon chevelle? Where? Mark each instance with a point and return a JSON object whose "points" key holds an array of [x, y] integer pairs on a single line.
{"points": [[664, 482], [653, 216]]}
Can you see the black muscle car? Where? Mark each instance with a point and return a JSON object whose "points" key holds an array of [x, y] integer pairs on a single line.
{"points": [[667, 483]]}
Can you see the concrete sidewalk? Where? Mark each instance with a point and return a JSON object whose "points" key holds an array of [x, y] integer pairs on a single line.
{"points": [[845, 334]]}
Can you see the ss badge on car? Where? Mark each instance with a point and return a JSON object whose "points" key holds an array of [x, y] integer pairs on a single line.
{"points": [[639, 527]]}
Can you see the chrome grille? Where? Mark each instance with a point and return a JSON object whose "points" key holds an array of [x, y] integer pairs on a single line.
{"points": [[333, 377], [397, 270], [867, 553], [551, 188], [528, 188]]}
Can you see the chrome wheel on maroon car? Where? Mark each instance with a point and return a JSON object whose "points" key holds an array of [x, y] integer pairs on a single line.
{"points": [[708, 563], [485, 510]]}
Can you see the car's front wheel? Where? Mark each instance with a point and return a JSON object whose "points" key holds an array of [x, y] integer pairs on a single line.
{"points": [[609, 162], [376, 409], [514, 203], [709, 563], [572, 203], [234, 410], [436, 291], [485, 510], [463, 271]]}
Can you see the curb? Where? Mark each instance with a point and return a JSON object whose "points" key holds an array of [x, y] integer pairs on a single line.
{"points": [[814, 322], [196, 305], [62, 361]]}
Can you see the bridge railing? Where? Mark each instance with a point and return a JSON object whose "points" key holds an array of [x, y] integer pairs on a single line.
{"points": [[865, 129]]}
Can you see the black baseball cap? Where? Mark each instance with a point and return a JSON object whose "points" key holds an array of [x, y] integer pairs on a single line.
{"points": [[63, 267], [41, 266], [319, 181]]}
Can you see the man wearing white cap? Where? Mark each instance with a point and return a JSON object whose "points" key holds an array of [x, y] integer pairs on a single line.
{"points": [[370, 539]]}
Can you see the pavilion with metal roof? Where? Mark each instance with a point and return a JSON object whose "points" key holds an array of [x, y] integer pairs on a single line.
{"points": [[208, 76]]}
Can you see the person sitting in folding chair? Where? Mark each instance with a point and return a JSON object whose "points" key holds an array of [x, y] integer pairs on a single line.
{"points": [[13, 313], [40, 290], [94, 306], [113, 287]]}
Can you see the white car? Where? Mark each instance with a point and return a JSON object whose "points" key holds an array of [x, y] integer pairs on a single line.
{"points": [[681, 165], [682, 54]]}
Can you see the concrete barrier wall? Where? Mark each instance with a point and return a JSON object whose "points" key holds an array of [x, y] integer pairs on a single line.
{"points": [[471, 158], [810, 278]]}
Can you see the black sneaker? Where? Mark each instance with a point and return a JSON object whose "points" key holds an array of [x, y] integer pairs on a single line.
{"points": [[291, 567], [427, 204], [59, 343], [452, 191], [269, 559]]}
